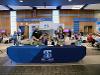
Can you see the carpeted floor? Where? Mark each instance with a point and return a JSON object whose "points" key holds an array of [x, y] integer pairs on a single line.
{"points": [[92, 51], [51, 70]]}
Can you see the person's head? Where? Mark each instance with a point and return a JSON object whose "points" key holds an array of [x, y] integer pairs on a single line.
{"points": [[36, 28], [15, 32], [33, 28], [46, 33], [90, 34], [19, 30], [56, 32], [60, 28], [69, 29]]}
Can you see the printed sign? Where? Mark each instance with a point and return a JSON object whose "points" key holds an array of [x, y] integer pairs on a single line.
{"points": [[47, 56]]}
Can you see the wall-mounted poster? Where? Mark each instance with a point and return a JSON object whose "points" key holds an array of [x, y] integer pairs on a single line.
{"points": [[56, 26], [48, 25], [45, 25]]}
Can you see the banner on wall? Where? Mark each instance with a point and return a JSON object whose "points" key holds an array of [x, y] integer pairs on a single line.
{"points": [[98, 26], [48, 25], [33, 19], [45, 25], [85, 19], [76, 26]]}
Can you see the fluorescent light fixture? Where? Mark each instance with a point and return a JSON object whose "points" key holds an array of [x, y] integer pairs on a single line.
{"points": [[21, 7], [3, 7], [72, 7], [77, 6], [66, 7], [46, 7], [93, 6]]}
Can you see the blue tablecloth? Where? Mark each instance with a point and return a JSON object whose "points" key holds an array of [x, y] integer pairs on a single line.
{"points": [[45, 54]]}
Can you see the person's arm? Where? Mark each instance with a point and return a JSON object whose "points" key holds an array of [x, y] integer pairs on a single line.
{"points": [[41, 37], [34, 38]]}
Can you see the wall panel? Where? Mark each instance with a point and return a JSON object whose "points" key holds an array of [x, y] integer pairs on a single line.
{"points": [[5, 21]]}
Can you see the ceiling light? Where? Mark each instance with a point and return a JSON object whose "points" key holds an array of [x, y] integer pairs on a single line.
{"points": [[69, 0], [20, 0]]}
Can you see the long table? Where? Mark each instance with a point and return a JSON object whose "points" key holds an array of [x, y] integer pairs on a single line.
{"points": [[46, 54]]}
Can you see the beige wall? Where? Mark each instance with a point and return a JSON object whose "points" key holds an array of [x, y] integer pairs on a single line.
{"points": [[66, 20], [5, 21], [97, 14]]}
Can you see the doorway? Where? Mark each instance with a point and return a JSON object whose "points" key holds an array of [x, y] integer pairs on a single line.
{"points": [[88, 29]]}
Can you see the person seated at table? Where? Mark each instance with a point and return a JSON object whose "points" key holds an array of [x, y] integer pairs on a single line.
{"points": [[5, 39], [76, 36], [55, 35], [97, 41], [1, 38], [61, 35], [69, 34], [36, 35], [90, 39], [19, 36], [67, 41], [15, 38], [50, 41], [44, 38]]}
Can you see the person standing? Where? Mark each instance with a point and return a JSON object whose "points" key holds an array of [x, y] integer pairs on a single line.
{"points": [[19, 36], [15, 38], [90, 39], [69, 34], [61, 36]]}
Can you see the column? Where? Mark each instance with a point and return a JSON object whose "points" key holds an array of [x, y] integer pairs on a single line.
{"points": [[13, 23]]}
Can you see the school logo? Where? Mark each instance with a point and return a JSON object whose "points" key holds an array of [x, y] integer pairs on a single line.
{"points": [[47, 55]]}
